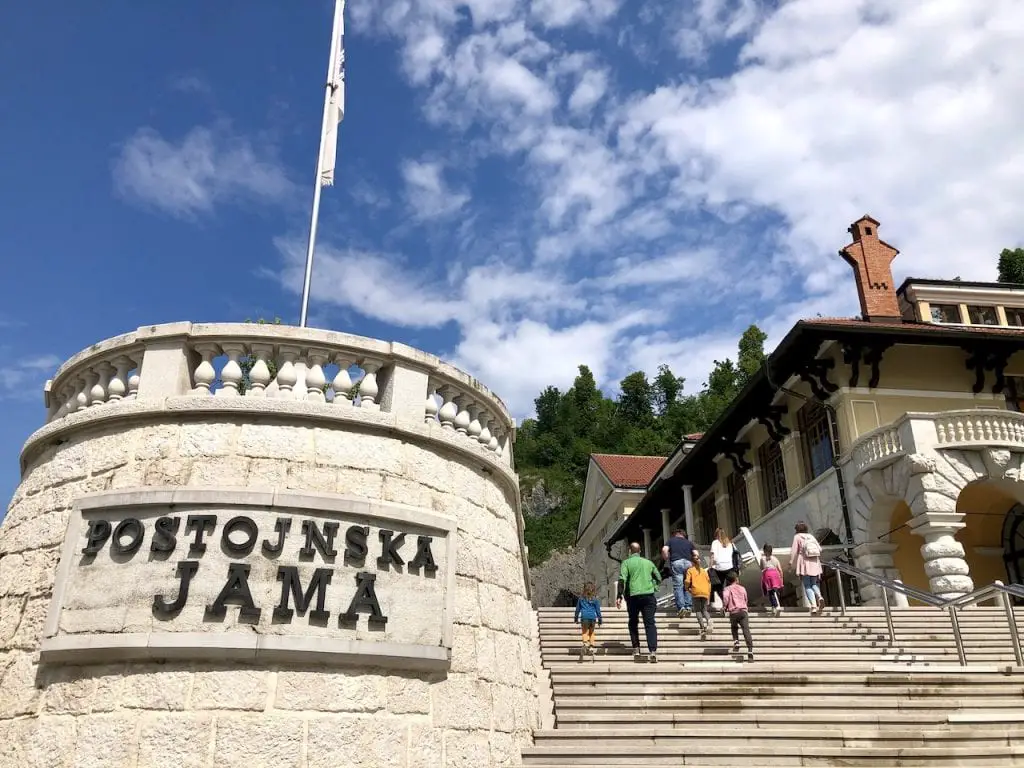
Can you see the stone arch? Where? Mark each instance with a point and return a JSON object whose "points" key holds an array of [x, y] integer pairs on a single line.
{"points": [[931, 486], [986, 506]]}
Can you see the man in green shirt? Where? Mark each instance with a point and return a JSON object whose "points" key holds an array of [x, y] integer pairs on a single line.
{"points": [[639, 580]]}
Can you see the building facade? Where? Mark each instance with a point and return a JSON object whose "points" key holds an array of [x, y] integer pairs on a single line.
{"points": [[897, 435]]}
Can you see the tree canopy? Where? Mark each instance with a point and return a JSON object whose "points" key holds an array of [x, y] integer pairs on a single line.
{"points": [[1011, 266], [646, 417]]}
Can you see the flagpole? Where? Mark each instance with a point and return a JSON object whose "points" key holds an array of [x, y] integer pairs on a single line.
{"points": [[317, 182]]}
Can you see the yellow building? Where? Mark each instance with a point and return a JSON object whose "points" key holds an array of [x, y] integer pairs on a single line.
{"points": [[898, 435]]}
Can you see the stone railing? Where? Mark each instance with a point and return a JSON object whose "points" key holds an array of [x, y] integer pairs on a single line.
{"points": [[924, 432], [248, 362], [962, 428], [877, 448]]}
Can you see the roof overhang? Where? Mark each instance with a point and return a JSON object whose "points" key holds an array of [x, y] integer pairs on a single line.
{"points": [[803, 342]]}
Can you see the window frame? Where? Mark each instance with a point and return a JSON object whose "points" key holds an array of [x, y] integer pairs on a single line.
{"points": [[815, 419], [739, 503], [705, 506], [1017, 312], [956, 310], [773, 468], [972, 308]]}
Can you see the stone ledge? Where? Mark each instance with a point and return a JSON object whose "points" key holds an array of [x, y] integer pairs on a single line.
{"points": [[272, 649], [324, 415]]}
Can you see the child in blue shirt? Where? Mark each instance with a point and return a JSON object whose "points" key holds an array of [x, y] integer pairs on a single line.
{"points": [[588, 614]]}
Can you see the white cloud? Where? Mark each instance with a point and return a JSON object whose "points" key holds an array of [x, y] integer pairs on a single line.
{"points": [[426, 192], [190, 177], [23, 378], [734, 191]]}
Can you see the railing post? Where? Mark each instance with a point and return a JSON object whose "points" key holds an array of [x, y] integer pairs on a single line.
{"points": [[842, 597], [955, 621], [1011, 621], [888, 615]]}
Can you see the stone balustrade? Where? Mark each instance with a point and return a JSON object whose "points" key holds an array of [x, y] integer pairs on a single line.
{"points": [[988, 427], [256, 363], [877, 448], [926, 432]]}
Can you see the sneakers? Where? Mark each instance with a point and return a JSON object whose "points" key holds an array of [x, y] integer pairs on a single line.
{"points": [[735, 647], [652, 657], [636, 654], [711, 626], [750, 655], [821, 603]]}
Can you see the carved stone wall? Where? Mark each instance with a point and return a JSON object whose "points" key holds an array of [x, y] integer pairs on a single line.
{"points": [[476, 710]]}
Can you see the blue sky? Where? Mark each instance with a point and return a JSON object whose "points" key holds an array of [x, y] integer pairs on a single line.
{"points": [[523, 185]]}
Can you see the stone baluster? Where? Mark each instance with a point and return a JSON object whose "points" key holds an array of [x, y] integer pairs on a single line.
{"points": [[71, 403], [368, 389], [204, 375], [286, 375], [342, 384], [98, 392], [84, 394], [430, 407], [231, 373], [495, 442], [315, 378], [133, 386], [462, 414], [259, 372], [484, 438], [475, 428], [449, 410], [118, 386]]}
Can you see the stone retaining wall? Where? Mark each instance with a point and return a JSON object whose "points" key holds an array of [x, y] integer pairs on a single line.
{"points": [[184, 714]]}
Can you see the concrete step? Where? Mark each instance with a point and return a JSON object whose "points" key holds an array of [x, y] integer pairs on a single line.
{"points": [[737, 689], [633, 706], [979, 719], [726, 754], [792, 735]]}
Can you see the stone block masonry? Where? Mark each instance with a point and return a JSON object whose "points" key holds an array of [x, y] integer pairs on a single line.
{"points": [[477, 711]]}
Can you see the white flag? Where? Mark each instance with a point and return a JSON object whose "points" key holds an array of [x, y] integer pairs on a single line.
{"points": [[336, 104]]}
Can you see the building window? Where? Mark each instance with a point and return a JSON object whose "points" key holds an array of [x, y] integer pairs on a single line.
{"points": [[983, 315], [817, 432], [708, 517], [738, 504], [945, 313], [1015, 316], [770, 457]]}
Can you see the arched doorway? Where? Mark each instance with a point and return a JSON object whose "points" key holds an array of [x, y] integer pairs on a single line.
{"points": [[1013, 544]]}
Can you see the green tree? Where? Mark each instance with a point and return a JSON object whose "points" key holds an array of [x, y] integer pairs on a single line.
{"points": [[667, 388], [1011, 266], [547, 406], [636, 400], [751, 352]]}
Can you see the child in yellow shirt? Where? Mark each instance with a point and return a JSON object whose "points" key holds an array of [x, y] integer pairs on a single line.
{"points": [[698, 584]]}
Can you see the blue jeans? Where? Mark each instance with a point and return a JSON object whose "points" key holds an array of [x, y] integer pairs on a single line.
{"points": [[811, 589], [684, 600]]}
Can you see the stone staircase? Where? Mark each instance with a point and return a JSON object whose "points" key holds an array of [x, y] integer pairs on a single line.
{"points": [[822, 690]]}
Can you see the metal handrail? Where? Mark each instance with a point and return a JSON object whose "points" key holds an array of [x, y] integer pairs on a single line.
{"points": [[952, 606]]}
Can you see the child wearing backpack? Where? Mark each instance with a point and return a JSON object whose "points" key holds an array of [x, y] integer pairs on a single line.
{"points": [[698, 584], [588, 614], [805, 556]]}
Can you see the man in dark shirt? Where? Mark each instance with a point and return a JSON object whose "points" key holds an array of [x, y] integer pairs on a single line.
{"points": [[678, 553]]}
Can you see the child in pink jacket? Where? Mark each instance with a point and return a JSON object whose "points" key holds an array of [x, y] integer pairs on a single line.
{"points": [[734, 600]]}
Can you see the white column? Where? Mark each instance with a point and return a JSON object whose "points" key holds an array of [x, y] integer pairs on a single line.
{"points": [[944, 562], [665, 521], [647, 543], [688, 510]]}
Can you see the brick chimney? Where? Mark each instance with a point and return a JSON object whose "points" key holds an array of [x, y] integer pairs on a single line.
{"points": [[871, 260]]}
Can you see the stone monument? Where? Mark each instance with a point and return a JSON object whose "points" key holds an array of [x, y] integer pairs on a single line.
{"points": [[252, 545]]}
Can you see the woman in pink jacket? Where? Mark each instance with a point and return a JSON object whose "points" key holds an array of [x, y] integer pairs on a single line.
{"points": [[805, 557]]}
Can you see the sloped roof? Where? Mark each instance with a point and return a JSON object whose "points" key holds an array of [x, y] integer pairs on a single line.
{"points": [[629, 471], [913, 326]]}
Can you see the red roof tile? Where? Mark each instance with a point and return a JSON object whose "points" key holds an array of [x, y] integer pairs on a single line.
{"points": [[629, 471], [694, 436]]}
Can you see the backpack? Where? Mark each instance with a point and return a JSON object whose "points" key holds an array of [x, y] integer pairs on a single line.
{"points": [[810, 546]]}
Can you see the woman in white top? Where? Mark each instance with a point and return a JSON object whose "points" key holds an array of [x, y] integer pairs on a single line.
{"points": [[722, 559]]}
